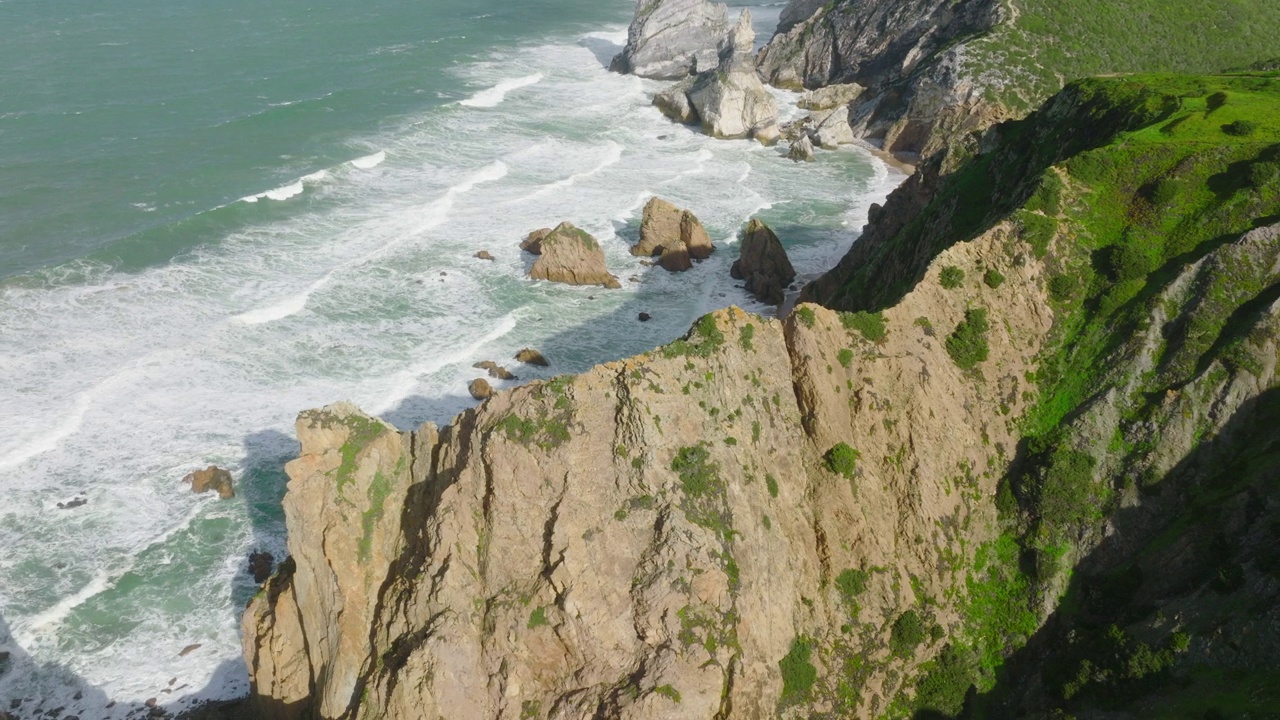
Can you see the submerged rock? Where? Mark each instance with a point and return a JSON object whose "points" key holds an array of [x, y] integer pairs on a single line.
{"points": [[483, 255], [670, 39], [496, 371], [212, 478], [529, 356], [73, 503], [571, 256], [763, 264], [675, 235]]}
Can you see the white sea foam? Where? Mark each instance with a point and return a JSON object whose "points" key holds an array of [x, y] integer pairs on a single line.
{"points": [[30, 448], [369, 161], [612, 156], [494, 96]]}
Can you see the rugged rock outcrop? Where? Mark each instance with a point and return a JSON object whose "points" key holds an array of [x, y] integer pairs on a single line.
{"points": [[495, 370], [670, 39], [480, 389], [529, 356], [532, 242], [763, 263], [571, 256], [212, 479], [909, 56], [674, 103], [730, 101], [675, 235], [801, 150]]}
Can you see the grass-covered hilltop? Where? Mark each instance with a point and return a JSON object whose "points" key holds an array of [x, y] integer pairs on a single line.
{"points": [[936, 70]]}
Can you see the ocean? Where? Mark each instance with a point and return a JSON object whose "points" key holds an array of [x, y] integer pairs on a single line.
{"points": [[215, 216]]}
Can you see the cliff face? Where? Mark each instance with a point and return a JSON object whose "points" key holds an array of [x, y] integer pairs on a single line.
{"points": [[1053, 399], [716, 529]]}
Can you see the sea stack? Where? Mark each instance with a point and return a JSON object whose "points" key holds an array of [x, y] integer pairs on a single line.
{"points": [[763, 264], [571, 256], [675, 236], [672, 39]]}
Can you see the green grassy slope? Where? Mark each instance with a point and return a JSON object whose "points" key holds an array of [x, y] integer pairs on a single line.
{"points": [[1132, 194], [1057, 41]]}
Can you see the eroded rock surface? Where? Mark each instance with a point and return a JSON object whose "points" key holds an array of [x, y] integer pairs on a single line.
{"points": [[763, 263], [730, 101], [670, 39], [212, 479], [675, 236], [571, 256]]}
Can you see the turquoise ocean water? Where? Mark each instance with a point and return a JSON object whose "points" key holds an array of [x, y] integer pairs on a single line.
{"points": [[215, 215]]}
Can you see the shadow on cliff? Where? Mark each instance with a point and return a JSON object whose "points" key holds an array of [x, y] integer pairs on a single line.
{"points": [[1199, 536]]}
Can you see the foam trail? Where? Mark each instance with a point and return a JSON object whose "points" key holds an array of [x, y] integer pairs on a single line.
{"points": [[612, 157], [630, 211], [438, 211], [369, 161], [700, 166], [406, 380], [50, 440], [496, 94], [280, 193], [283, 309], [617, 37]]}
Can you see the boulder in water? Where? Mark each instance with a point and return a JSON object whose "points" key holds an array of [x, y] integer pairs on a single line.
{"points": [[529, 356], [801, 150], [496, 371], [212, 478], [763, 264], [480, 389], [674, 103], [671, 39], [571, 256], [483, 255], [673, 234]]}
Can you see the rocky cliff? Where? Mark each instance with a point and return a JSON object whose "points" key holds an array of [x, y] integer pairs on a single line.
{"points": [[1051, 366], [938, 70]]}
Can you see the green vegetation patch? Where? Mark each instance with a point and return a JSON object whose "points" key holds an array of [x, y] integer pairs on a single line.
{"points": [[842, 460], [798, 674], [951, 278], [871, 325], [968, 346], [704, 339]]}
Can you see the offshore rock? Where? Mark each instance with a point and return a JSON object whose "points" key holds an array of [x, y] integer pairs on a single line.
{"points": [[533, 241], [763, 263], [674, 103], [212, 478], [480, 389], [801, 150], [731, 102], [673, 234], [571, 256], [529, 356], [671, 39]]}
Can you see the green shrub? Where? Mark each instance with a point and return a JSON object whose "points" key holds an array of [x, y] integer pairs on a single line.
{"points": [[946, 681], [1240, 128], [1263, 173], [1166, 191], [852, 583], [798, 674], [993, 278], [871, 325], [1037, 231], [907, 633], [806, 316], [538, 618], [772, 483], [968, 346], [842, 460], [1130, 261], [845, 356], [952, 277], [1063, 495], [1062, 287]]}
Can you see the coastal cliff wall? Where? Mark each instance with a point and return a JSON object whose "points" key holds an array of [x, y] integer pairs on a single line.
{"points": [[850, 513]]}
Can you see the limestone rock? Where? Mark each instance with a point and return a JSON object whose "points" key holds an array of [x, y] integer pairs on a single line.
{"points": [[212, 478], [763, 264], [674, 103], [801, 150], [731, 102], [670, 39], [833, 129], [673, 234], [796, 12], [533, 241], [529, 356], [480, 389], [571, 256], [495, 370], [830, 97]]}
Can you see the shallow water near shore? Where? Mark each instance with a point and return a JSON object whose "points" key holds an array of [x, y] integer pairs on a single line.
{"points": [[157, 321]]}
